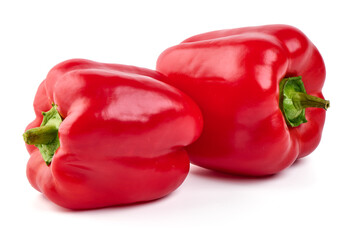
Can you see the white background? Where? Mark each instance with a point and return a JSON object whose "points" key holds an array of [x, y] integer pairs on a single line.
{"points": [[317, 198]]}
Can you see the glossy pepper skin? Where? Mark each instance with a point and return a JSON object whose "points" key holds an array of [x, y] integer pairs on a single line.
{"points": [[122, 135], [234, 77]]}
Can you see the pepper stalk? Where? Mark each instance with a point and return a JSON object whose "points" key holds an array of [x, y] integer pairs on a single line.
{"points": [[293, 101], [45, 137]]}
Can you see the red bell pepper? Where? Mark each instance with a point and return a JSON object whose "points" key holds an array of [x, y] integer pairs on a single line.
{"points": [[108, 134], [252, 85]]}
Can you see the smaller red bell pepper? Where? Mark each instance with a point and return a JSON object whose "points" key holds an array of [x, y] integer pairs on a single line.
{"points": [[108, 134], [252, 85]]}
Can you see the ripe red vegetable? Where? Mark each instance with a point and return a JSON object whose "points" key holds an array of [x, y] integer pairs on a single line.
{"points": [[251, 84], [109, 134]]}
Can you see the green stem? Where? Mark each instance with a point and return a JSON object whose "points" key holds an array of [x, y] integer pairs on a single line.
{"points": [[303, 100], [293, 101], [45, 137], [40, 135]]}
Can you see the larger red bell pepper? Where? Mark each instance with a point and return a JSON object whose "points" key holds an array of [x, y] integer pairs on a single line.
{"points": [[251, 85], [108, 134]]}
